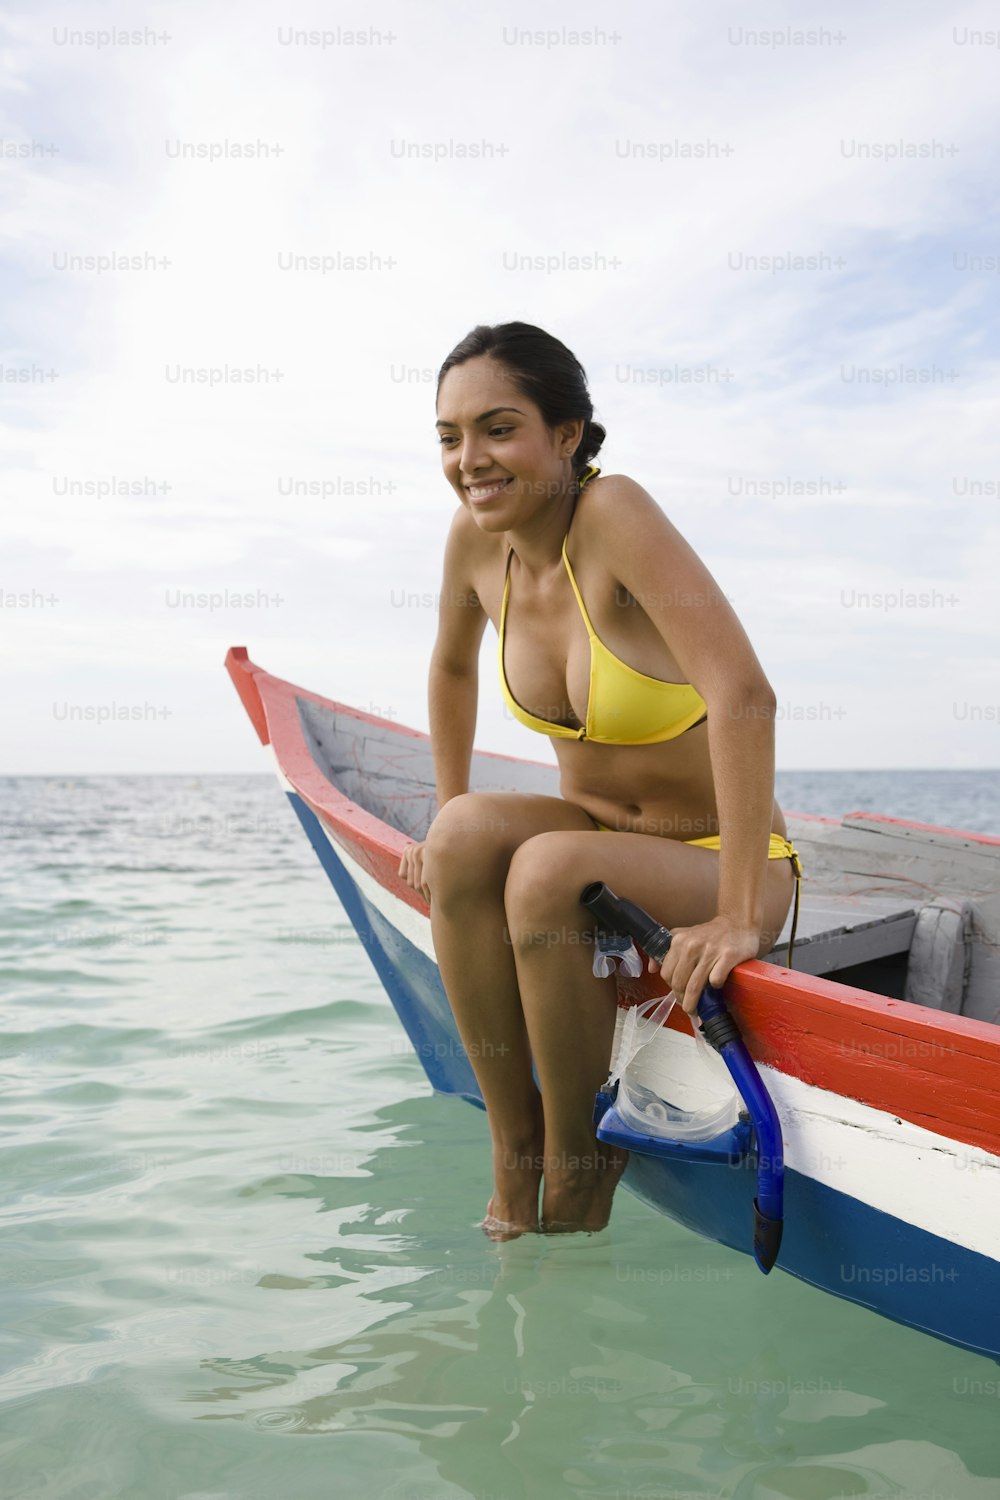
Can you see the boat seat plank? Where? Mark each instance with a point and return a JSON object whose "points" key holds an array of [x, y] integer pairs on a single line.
{"points": [[836, 932]]}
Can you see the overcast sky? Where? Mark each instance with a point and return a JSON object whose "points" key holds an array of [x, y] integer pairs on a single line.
{"points": [[771, 239]]}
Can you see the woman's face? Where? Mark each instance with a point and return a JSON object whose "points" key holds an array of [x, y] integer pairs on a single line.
{"points": [[491, 435]]}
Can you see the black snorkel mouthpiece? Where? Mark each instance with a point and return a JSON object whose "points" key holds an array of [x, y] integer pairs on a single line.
{"points": [[617, 914]]}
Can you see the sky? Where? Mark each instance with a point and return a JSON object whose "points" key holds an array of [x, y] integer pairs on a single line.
{"points": [[771, 240]]}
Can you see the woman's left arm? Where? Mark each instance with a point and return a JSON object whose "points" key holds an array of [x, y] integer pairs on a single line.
{"points": [[710, 646], [741, 746]]}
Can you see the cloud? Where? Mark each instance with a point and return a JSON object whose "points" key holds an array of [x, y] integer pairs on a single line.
{"points": [[773, 258]]}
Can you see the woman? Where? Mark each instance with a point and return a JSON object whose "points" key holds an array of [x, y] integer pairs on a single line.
{"points": [[615, 640]]}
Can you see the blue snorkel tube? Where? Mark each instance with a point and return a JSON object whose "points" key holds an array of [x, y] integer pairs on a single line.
{"points": [[616, 914]]}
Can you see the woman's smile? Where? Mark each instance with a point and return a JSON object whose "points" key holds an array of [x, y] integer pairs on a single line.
{"points": [[479, 493]]}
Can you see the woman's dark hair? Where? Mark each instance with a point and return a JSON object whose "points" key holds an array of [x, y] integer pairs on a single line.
{"points": [[544, 370]]}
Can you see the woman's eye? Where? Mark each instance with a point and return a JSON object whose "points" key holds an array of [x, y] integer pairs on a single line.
{"points": [[447, 437]]}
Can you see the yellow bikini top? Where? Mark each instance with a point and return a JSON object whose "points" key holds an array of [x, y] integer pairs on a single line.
{"points": [[624, 707]]}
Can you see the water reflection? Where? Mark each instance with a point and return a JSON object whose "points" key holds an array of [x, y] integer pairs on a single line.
{"points": [[640, 1361]]}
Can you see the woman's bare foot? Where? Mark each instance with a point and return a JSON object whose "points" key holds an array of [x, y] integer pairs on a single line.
{"points": [[501, 1230], [517, 1175], [579, 1189]]}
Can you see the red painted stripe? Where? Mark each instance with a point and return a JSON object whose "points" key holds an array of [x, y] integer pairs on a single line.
{"points": [[375, 845], [936, 1070], [953, 833], [242, 670]]}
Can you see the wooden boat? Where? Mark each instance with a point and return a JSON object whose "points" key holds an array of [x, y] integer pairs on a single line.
{"points": [[880, 1049]]}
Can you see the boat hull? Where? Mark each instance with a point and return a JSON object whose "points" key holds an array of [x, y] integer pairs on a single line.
{"points": [[881, 1210]]}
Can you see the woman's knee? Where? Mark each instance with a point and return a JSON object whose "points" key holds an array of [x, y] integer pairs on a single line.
{"points": [[543, 884], [467, 843]]}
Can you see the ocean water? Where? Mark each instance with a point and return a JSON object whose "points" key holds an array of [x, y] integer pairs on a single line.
{"points": [[239, 1259]]}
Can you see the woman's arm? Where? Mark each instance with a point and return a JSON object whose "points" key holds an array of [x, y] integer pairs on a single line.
{"points": [[453, 680], [452, 683], [671, 583], [453, 702], [741, 747]]}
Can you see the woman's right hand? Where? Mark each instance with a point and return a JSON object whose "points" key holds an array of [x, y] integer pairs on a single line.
{"points": [[411, 869]]}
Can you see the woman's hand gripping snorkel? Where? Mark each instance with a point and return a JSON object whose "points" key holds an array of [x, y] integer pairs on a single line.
{"points": [[705, 954]]}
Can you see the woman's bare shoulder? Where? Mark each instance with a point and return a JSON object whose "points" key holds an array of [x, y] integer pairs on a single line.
{"points": [[471, 554], [606, 489], [475, 546], [611, 499], [622, 527]]}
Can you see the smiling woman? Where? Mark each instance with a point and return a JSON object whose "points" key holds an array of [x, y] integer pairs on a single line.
{"points": [[663, 725]]}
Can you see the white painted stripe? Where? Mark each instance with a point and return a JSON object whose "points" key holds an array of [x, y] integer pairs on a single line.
{"points": [[925, 1179], [283, 781], [413, 925], [936, 1184]]}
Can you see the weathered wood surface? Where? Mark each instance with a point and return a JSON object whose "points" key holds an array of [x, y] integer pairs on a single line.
{"points": [[956, 963], [836, 932]]}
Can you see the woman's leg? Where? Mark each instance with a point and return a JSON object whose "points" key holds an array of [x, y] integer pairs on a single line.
{"points": [[569, 1014], [467, 856]]}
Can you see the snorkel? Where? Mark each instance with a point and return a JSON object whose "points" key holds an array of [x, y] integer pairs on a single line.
{"points": [[618, 915]]}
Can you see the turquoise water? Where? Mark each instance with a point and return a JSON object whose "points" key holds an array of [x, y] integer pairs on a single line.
{"points": [[239, 1256]]}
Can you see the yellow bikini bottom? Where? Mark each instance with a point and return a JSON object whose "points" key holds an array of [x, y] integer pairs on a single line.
{"points": [[778, 848]]}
